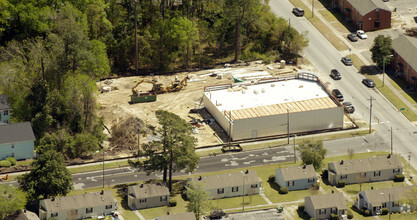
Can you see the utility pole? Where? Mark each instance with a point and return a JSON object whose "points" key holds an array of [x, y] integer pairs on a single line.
{"points": [[370, 114], [288, 126], [136, 41], [103, 166], [312, 9], [391, 143], [295, 157]]}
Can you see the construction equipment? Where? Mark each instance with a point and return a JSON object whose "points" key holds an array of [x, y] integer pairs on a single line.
{"points": [[177, 85], [158, 88], [134, 92]]}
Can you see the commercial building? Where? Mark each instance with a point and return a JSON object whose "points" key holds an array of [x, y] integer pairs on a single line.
{"points": [[292, 104]]}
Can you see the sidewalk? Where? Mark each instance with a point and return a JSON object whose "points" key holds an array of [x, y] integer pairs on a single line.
{"points": [[361, 57]]}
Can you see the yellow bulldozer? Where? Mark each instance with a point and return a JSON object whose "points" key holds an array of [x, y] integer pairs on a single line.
{"points": [[158, 88]]}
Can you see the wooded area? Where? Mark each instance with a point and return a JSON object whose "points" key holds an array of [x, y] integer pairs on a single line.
{"points": [[53, 51]]}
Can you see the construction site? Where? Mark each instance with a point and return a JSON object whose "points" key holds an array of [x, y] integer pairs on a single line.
{"points": [[129, 104]]}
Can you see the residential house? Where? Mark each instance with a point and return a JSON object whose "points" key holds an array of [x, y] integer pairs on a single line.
{"points": [[17, 140], [147, 196], [231, 184], [296, 177], [377, 199], [367, 15], [404, 58], [322, 206], [180, 216], [89, 205], [5, 109], [371, 169]]}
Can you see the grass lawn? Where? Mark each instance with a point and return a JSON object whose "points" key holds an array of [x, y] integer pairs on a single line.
{"points": [[107, 165], [236, 202], [337, 43]]}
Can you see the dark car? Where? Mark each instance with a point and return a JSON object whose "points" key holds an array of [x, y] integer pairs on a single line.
{"points": [[334, 73], [347, 61], [299, 12], [352, 37], [349, 108], [338, 95], [369, 83]]}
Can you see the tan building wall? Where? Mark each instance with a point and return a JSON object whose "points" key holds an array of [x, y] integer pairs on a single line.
{"points": [[250, 189], [143, 203]]}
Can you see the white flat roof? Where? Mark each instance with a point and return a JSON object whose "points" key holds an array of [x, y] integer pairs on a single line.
{"points": [[266, 94]]}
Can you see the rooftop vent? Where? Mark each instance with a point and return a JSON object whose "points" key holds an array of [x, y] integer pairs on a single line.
{"points": [[272, 85], [199, 178], [305, 166], [247, 171], [141, 185], [389, 156], [102, 192], [341, 162]]}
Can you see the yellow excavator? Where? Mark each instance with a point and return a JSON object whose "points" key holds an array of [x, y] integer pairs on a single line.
{"points": [[157, 88]]}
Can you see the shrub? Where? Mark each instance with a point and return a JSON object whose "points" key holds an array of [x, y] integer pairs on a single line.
{"points": [[384, 211], [367, 213], [341, 184], [283, 190], [316, 185], [362, 211], [301, 207], [325, 174], [312, 218], [12, 160], [5, 163], [399, 178], [271, 178], [334, 216], [172, 202], [349, 214]]}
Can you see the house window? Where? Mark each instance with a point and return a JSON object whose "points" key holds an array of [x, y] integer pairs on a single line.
{"points": [[322, 211], [54, 214], [109, 206], [6, 112], [377, 173], [334, 210], [89, 210], [142, 200], [384, 205], [290, 183], [220, 191], [343, 177], [311, 180], [12, 146], [254, 186], [235, 189], [163, 198], [12, 154], [363, 174], [396, 170]]}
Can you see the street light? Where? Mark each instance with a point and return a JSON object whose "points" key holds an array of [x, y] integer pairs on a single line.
{"points": [[383, 69], [295, 156]]}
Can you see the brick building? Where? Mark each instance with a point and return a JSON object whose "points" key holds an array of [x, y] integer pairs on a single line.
{"points": [[405, 59], [367, 15]]}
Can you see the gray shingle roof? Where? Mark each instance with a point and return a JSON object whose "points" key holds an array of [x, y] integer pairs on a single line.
{"points": [[327, 201], [4, 102], [366, 6], [228, 180], [367, 164], [296, 173], [17, 132], [180, 216], [80, 201], [406, 47], [378, 196], [148, 190]]}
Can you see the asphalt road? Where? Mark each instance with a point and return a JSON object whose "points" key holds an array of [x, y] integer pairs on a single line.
{"points": [[326, 57]]}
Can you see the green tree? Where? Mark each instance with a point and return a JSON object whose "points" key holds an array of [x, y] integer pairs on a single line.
{"points": [[12, 199], [174, 151], [312, 153], [48, 177], [381, 48], [198, 199]]}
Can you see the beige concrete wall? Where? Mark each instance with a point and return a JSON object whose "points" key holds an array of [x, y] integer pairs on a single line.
{"points": [[277, 124], [228, 191], [214, 111], [134, 203]]}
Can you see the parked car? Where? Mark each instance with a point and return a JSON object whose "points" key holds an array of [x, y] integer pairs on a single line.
{"points": [[369, 83], [361, 34], [338, 95], [299, 12], [349, 108], [334, 73], [347, 61], [352, 37]]}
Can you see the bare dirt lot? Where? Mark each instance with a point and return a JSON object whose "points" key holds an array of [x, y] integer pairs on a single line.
{"points": [[115, 105]]}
